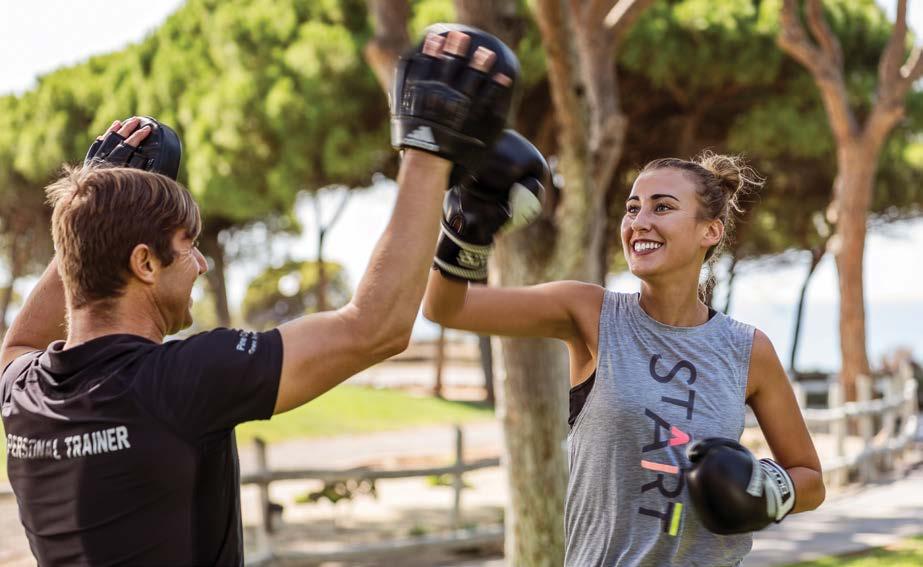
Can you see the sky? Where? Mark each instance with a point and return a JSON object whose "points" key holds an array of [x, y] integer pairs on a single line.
{"points": [[39, 36]]}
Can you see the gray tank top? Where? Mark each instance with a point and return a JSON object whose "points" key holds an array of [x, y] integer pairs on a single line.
{"points": [[656, 389]]}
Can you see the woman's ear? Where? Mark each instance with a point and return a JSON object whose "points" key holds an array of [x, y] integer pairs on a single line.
{"points": [[144, 265], [714, 232]]}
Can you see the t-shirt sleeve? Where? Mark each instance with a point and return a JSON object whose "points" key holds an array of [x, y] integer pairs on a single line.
{"points": [[212, 381]]}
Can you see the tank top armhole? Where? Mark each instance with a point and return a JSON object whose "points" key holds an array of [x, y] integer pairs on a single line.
{"points": [[746, 350], [577, 397], [580, 395]]}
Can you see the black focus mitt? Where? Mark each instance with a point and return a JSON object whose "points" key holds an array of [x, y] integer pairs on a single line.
{"points": [[441, 105], [160, 152]]}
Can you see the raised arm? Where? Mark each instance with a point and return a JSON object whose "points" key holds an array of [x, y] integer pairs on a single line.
{"points": [[452, 106], [42, 318], [323, 349]]}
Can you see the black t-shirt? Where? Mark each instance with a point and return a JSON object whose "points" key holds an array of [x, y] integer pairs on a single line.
{"points": [[122, 451]]}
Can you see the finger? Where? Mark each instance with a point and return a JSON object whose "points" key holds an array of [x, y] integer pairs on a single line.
{"points": [[456, 43], [116, 124], [502, 79], [433, 44], [138, 136], [483, 59], [129, 126]]}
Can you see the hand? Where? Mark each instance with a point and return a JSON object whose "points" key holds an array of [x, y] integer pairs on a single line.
{"points": [[732, 491], [506, 193], [452, 94], [139, 142]]}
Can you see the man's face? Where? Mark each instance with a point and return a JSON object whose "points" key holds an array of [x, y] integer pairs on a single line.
{"points": [[175, 284]]}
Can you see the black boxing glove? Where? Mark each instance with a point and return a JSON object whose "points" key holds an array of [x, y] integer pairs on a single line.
{"points": [[159, 152], [507, 192], [443, 106], [732, 491]]}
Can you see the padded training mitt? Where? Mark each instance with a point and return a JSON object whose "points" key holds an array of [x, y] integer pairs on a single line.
{"points": [[443, 106], [159, 152]]}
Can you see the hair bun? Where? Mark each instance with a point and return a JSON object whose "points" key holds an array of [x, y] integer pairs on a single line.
{"points": [[736, 178]]}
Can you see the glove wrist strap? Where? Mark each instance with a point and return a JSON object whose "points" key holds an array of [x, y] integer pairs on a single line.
{"points": [[459, 259], [780, 489]]}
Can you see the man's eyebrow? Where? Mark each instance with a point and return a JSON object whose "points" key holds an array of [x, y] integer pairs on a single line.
{"points": [[654, 197]]}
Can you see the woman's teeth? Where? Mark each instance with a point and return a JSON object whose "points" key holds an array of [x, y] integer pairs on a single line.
{"points": [[644, 246]]}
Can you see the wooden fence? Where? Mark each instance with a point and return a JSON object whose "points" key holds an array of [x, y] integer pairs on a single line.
{"points": [[266, 552], [885, 418]]}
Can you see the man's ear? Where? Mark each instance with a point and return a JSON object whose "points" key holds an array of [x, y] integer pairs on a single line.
{"points": [[714, 232], [144, 264]]}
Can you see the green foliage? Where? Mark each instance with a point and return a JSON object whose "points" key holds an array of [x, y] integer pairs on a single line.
{"points": [[427, 12], [710, 76], [339, 490], [444, 480], [290, 291]]}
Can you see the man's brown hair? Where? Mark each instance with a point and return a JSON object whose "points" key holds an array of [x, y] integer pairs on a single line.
{"points": [[101, 214]]}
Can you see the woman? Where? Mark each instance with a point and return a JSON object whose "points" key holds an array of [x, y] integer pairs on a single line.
{"points": [[653, 373]]}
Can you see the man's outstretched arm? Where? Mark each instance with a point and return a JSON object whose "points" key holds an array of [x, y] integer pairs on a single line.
{"points": [[448, 108], [323, 349]]}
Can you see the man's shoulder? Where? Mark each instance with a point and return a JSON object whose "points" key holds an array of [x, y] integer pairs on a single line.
{"points": [[225, 340], [15, 369]]}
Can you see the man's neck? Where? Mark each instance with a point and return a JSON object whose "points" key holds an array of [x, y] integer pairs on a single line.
{"points": [[89, 323]]}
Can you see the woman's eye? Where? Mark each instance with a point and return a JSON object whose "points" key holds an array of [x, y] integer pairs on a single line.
{"points": [[662, 207]]}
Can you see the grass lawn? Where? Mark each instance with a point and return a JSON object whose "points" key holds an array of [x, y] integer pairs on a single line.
{"points": [[907, 553], [347, 410], [352, 409]]}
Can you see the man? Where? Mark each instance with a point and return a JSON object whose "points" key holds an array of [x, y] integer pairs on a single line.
{"points": [[121, 447]]}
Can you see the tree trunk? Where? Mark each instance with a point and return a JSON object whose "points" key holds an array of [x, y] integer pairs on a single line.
{"points": [[732, 273], [858, 145], [857, 163], [381, 53], [487, 367], [817, 254], [534, 419], [321, 287], [213, 248]]}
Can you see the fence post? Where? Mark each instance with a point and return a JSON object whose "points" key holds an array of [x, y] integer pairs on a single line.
{"points": [[866, 427], [838, 431], [457, 481], [262, 469], [890, 432]]}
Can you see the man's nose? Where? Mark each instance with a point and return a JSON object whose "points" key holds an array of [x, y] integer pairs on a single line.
{"points": [[203, 263]]}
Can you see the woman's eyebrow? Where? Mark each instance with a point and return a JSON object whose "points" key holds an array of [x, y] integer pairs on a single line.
{"points": [[653, 197]]}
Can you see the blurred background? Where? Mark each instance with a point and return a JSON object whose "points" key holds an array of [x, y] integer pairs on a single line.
{"points": [[282, 110]]}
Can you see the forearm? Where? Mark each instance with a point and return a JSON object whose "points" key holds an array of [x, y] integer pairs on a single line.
{"points": [[444, 298], [809, 488], [389, 294], [42, 318]]}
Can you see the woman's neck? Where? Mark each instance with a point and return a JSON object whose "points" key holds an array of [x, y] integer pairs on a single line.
{"points": [[673, 303]]}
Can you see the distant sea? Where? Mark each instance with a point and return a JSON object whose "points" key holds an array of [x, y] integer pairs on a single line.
{"points": [[888, 326]]}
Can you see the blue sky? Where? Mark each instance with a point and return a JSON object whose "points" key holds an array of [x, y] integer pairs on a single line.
{"points": [[39, 36]]}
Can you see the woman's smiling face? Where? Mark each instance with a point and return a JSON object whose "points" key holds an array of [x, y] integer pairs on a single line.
{"points": [[661, 229]]}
